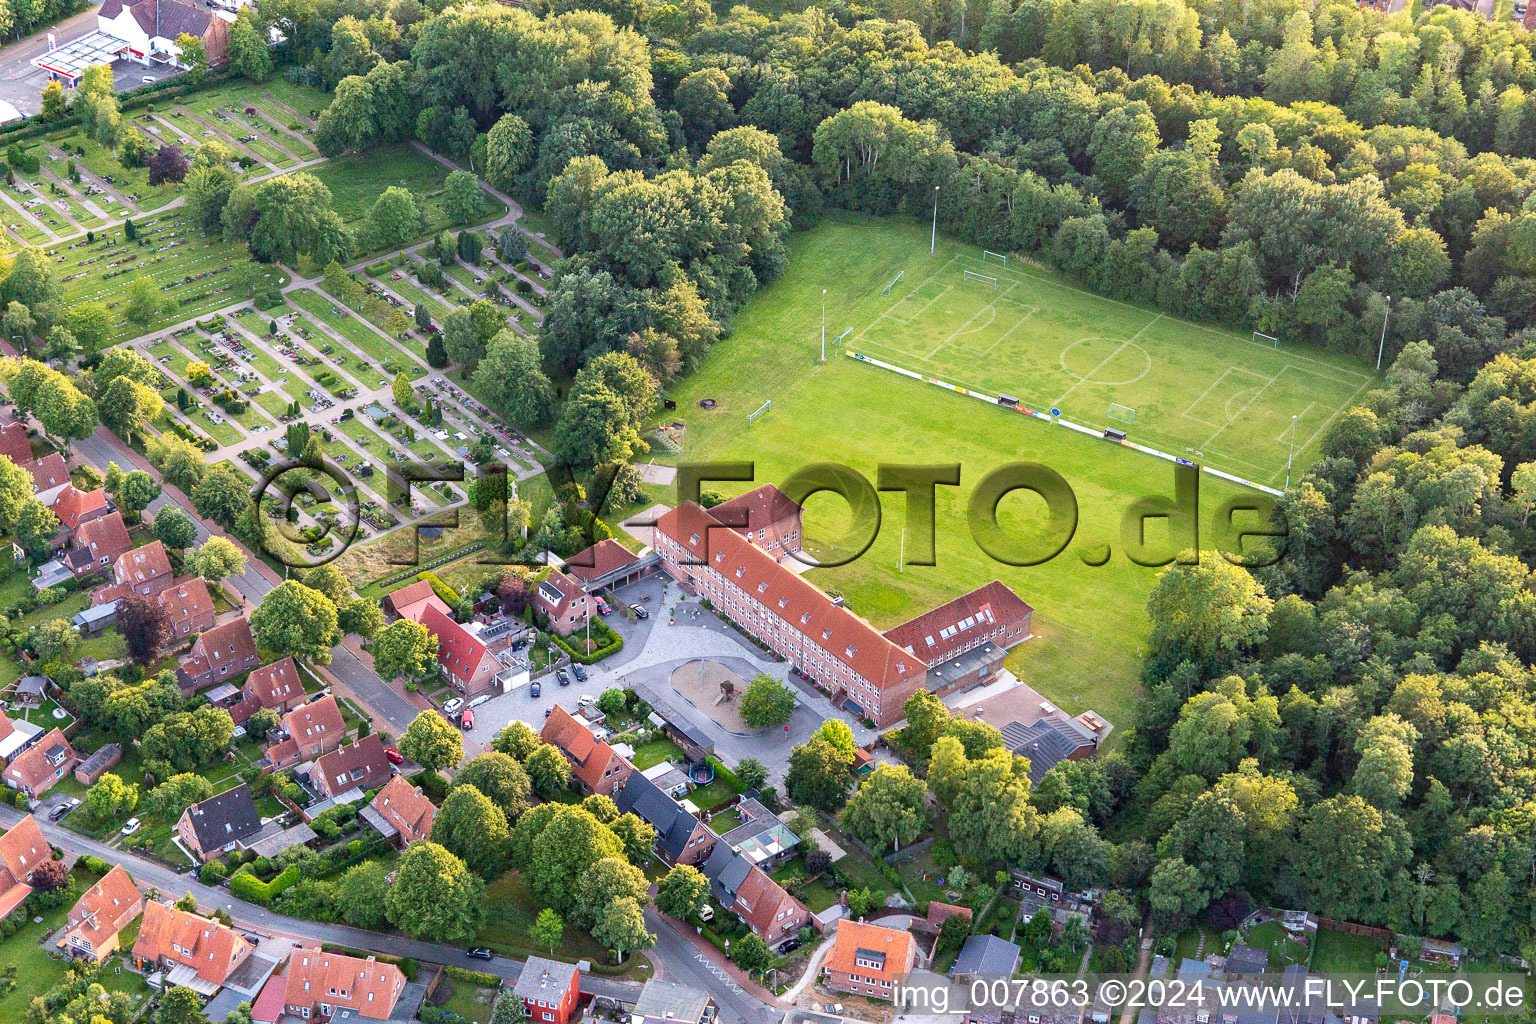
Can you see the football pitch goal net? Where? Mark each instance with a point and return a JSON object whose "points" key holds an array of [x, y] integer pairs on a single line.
{"points": [[1123, 413], [971, 275], [995, 257], [1266, 339], [752, 417], [894, 282]]}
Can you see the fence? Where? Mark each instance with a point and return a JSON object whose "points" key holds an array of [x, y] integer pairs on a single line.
{"points": [[451, 556], [1350, 928]]}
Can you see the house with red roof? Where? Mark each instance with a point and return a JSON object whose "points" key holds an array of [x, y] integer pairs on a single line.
{"points": [[194, 951], [74, 506], [22, 849], [309, 730], [606, 564], [745, 889], [963, 642], [866, 673], [100, 914], [462, 658], [188, 606], [50, 475], [412, 601], [276, 686], [357, 765], [400, 811], [550, 990], [765, 517], [597, 767], [218, 655], [37, 769], [868, 960], [97, 543], [145, 571], [269, 1006], [14, 444], [564, 601], [321, 984]]}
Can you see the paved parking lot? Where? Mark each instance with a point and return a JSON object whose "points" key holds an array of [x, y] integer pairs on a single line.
{"points": [[21, 84]]}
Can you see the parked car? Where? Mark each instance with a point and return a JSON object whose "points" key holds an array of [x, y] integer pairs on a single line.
{"points": [[585, 699], [565, 680], [640, 613], [69, 804], [534, 689], [479, 953], [467, 720], [602, 606], [790, 946], [453, 704], [132, 826], [580, 673], [394, 756]]}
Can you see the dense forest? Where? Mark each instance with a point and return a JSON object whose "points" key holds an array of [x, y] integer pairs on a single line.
{"points": [[1351, 730]]}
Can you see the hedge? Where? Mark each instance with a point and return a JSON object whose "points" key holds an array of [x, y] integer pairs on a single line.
{"points": [[614, 645], [432, 784], [380, 268], [480, 978], [441, 589], [253, 890], [95, 865]]}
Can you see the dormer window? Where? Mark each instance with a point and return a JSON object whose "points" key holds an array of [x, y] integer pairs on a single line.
{"points": [[762, 588]]}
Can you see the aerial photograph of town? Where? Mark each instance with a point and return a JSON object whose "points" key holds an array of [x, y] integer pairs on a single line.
{"points": [[767, 511]]}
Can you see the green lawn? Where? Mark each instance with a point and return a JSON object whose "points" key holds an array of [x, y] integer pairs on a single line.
{"points": [[356, 180], [1089, 621], [1335, 952], [379, 350], [36, 970], [656, 751], [1282, 950], [512, 910]]}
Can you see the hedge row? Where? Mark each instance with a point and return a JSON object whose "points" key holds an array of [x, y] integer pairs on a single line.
{"points": [[614, 645], [473, 977], [253, 890], [441, 589]]}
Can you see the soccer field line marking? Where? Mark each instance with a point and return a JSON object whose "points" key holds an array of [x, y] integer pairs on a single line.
{"points": [[1088, 378], [1244, 409], [1043, 279], [1347, 403], [911, 319], [1284, 435], [966, 328], [1226, 407], [1002, 337], [893, 306]]}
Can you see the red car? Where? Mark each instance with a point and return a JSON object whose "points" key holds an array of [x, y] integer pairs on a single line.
{"points": [[395, 757]]}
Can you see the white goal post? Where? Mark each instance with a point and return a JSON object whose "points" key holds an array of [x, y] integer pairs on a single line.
{"points": [[971, 275], [894, 282], [988, 254], [761, 409], [1270, 338], [1123, 413]]}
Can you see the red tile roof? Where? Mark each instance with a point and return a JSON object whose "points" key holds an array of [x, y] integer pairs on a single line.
{"points": [[599, 560], [317, 719], [937, 635], [105, 909], [412, 601], [361, 764], [73, 504], [457, 650], [757, 509], [210, 948], [565, 590], [889, 947], [105, 536], [14, 444], [366, 986], [186, 600], [23, 848], [798, 603], [142, 564], [275, 684], [268, 1007], [589, 756], [406, 807], [48, 472], [759, 899], [32, 767], [230, 643]]}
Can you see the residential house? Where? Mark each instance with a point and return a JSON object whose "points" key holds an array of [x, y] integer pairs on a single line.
{"points": [[38, 768], [16, 735], [357, 765], [309, 730], [462, 658], [73, 506], [144, 571], [1245, 962], [680, 837], [50, 475], [865, 672], [96, 919], [761, 837], [218, 655], [327, 985], [411, 602], [400, 811], [564, 601], [867, 960], [595, 765], [666, 1002], [766, 517], [97, 543], [14, 444], [745, 889], [22, 849], [963, 642], [148, 29], [276, 686], [193, 951], [188, 607], [216, 826], [549, 989]]}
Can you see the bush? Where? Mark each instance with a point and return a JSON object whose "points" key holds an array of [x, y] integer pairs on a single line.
{"points": [[480, 978], [610, 643], [442, 590], [212, 873], [252, 889], [380, 268], [95, 865], [432, 785]]}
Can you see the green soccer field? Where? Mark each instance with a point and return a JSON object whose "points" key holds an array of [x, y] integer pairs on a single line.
{"points": [[1200, 392]]}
